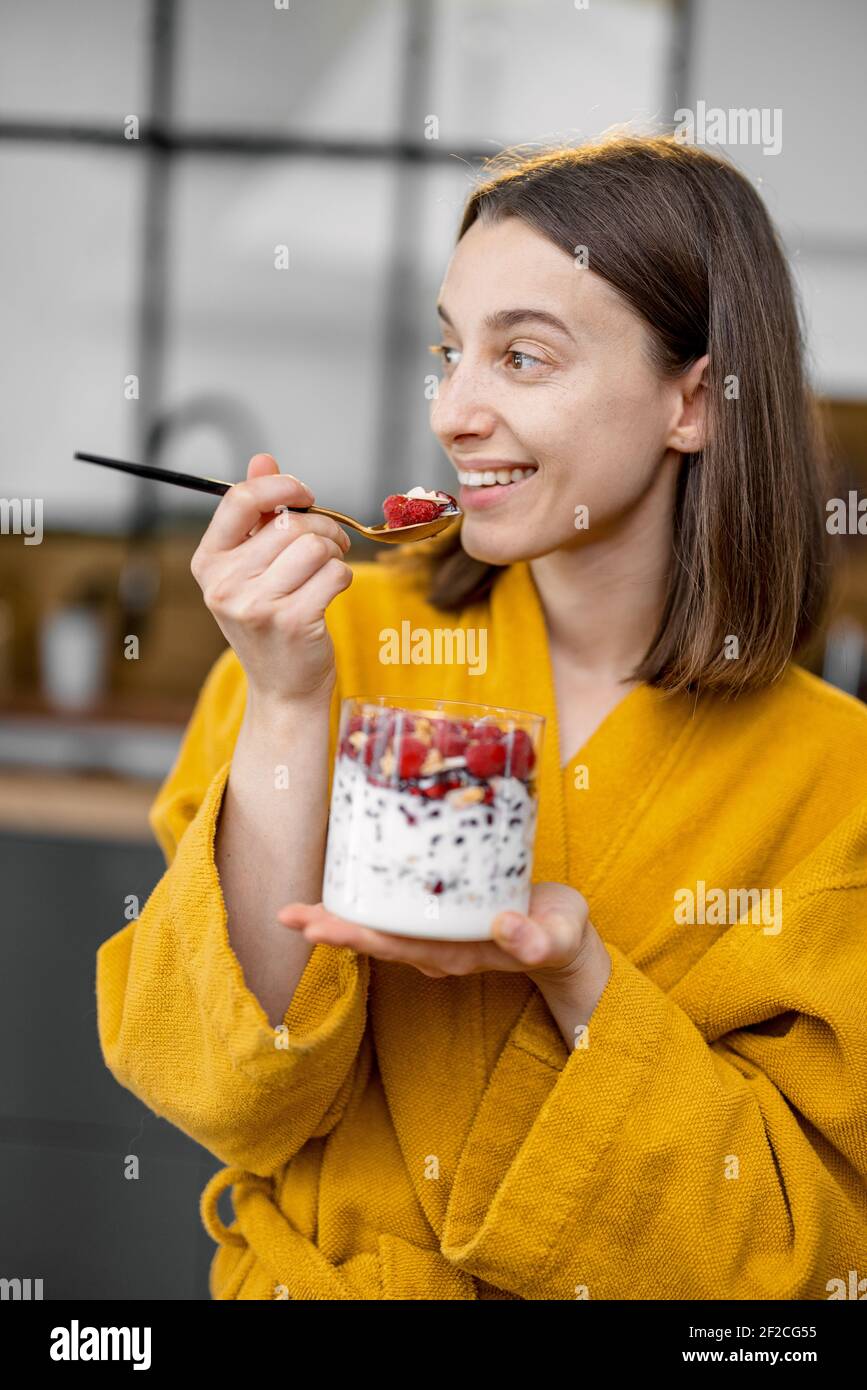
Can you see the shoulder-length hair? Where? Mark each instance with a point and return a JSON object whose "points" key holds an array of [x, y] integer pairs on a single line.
{"points": [[684, 237]]}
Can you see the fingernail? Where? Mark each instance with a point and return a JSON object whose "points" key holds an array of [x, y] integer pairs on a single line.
{"points": [[303, 486]]}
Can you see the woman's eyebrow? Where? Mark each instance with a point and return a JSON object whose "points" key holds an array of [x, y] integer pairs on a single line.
{"points": [[510, 318]]}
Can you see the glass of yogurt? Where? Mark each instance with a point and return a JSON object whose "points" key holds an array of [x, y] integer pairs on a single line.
{"points": [[433, 815]]}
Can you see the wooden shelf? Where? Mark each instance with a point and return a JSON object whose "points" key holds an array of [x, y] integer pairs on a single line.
{"points": [[120, 709], [91, 807]]}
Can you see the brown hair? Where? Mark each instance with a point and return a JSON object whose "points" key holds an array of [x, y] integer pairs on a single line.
{"points": [[686, 240]]}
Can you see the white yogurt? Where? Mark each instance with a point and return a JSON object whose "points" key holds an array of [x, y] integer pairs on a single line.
{"points": [[421, 866]]}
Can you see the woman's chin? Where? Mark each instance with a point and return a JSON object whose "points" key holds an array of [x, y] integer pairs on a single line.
{"points": [[492, 545]]}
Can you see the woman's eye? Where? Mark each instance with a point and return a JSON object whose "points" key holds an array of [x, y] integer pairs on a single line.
{"points": [[443, 352], [526, 356]]}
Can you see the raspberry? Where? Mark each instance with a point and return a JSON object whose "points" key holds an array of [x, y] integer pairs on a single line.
{"points": [[383, 731], [448, 740], [523, 755], [392, 509], [400, 510], [435, 792], [406, 511], [488, 733], [387, 725], [412, 754], [486, 759]]}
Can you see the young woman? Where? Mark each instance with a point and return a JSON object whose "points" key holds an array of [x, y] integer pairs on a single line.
{"points": [[655, 1086]]}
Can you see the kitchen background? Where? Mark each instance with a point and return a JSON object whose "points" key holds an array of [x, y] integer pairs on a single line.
{"points": [[144, 317]]}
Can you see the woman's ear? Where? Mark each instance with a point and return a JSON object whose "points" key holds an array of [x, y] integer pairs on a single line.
{"points": [[689, 432]]}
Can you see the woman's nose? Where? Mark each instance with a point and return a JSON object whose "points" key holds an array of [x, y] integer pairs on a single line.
{"points": [[460, 406]]}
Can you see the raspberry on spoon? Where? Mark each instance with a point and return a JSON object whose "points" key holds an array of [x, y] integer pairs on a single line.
{"points": [[410, 508]]}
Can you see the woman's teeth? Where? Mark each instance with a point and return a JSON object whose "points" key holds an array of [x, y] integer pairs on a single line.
{"points": [[490, 477]]}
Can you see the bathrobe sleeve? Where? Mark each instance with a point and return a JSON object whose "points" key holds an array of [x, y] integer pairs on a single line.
{"points": [[177, 1024], [708, 1143]]}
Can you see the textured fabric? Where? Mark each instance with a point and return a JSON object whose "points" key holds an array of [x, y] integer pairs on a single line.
{"points": [[436, 1139]]}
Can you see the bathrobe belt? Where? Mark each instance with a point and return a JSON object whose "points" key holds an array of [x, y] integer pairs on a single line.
{"points": [[397, 1269]]}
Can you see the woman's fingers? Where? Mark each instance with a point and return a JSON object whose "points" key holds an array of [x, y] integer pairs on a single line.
{"points": [[261, 466], [315, 595], [552, 931], [237, 598], [246, 503], [267, 576], [433, 958], [296, 563], [318, 924], [280, 531]]}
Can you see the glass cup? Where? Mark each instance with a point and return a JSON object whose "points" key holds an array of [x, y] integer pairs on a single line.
{"points": [[433, 815]]}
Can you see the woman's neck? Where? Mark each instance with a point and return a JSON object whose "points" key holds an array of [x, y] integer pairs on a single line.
{"points": [[603, 598]]}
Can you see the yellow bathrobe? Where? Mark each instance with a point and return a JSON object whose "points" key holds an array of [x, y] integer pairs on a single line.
{"points": [[435, 1138]]}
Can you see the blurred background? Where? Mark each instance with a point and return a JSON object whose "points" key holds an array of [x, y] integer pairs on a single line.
{"points": [[155, 156]]}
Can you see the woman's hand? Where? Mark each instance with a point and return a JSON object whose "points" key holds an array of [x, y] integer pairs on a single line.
{"points": [[556, 945], [267, 575]]}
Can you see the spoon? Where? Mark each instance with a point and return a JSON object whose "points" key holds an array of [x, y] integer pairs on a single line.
{"points": [[387, 535]]}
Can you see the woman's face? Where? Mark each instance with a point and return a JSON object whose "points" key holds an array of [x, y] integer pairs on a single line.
{"points": [[579, 403]]}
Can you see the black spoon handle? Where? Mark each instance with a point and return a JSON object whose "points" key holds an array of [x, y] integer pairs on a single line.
{"points": [[162, 475]]}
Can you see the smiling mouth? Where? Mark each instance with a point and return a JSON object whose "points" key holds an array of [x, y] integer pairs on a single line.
{"points": [[494, 477]]}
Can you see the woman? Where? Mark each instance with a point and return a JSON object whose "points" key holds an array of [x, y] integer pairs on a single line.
{"points": [[656, 1086]]}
